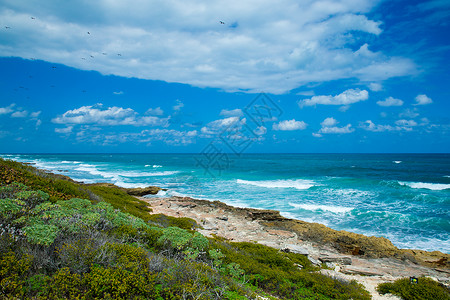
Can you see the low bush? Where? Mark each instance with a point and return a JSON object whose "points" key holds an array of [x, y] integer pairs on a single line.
{"points": [[426, 288]]}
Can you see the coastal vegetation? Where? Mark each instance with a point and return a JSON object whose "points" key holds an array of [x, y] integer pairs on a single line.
{"points": [[424, 289], [63, 240]]}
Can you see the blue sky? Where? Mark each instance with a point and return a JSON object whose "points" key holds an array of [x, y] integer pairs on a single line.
{"points": [[177, 76]]}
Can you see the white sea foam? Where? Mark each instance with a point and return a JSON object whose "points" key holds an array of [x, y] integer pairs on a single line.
{"points": [[331, 208], [299, 184], [397, 161], [425, 185]]}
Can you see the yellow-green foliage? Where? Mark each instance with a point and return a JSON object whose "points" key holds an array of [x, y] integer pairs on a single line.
{"points": [[278, 273], [55, 186], [168, 221], [121, 200], [13, 272], [425, 289], [104, 250]]}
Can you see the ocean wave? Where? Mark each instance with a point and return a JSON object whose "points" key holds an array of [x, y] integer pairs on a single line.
{"points": [[330, 208], [299, 184], [397, 161], [425, 185]]}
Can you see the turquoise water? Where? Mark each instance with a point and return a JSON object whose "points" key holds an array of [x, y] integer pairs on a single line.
{"points": [[403, 197]]}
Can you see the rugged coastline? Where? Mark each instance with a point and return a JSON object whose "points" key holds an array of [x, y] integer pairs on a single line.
{"points": [[368, 260]]}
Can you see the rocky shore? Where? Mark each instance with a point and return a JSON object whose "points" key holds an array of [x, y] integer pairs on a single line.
{"points": [[368, 260]]}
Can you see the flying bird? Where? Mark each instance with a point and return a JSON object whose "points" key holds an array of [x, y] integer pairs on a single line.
{"points": [[88, 32], [33, 18], [7, 27], [118, 54], [104, 53], [222, 22], [91, 56], [83, 58]]}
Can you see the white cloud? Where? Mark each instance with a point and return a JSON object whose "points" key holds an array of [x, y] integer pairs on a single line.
{"points": [[112, 116], [314, 134], [345, 98], [289, 42], [231, 113], [329, 122], [168, 136], [155, 111], [7, 109], [35, 114], [20, 114], [375, 87], [400, 125], [217, 126], [406, 123], [67, 129], [289, 125], [328, 126], [409, 113], [118, 93], [260, 130], [390, 101], [422, 100], [346, 129], [178, 106]]}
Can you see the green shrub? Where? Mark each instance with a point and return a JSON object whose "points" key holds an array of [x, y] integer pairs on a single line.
{"points": [[168, 221], [13, 270], [426, 288], [41, 234]]}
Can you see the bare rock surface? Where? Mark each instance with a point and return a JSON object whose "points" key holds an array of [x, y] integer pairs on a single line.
{"points": [[350, 256]]}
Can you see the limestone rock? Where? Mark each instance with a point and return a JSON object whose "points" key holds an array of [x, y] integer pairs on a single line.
{"points": [[343, 260], [296, 249]]}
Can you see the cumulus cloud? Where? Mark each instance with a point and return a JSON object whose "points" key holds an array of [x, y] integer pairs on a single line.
{"points": [[111, 116], [289, 125], [155, 111], [345, 98], [375, 87], [400, 125], [329, 126], [390, 102], [7, 110], [328, 122], [287, 42], [422, 100], [231, 113], [19, 114], [217, 126]]}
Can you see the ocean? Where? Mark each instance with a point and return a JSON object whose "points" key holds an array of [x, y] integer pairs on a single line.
{"points": [[403, 197]]}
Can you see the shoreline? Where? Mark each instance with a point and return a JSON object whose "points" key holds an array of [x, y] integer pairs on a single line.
{"points": [[351, 256]]}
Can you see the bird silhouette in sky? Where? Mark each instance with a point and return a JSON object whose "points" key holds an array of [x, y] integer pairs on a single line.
{"points": [[88, 32], [7, 27], [222, 22], [118, 54], [33, 18]]}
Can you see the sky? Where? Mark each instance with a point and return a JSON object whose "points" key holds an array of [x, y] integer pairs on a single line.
{"points": [[288, 76]]}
